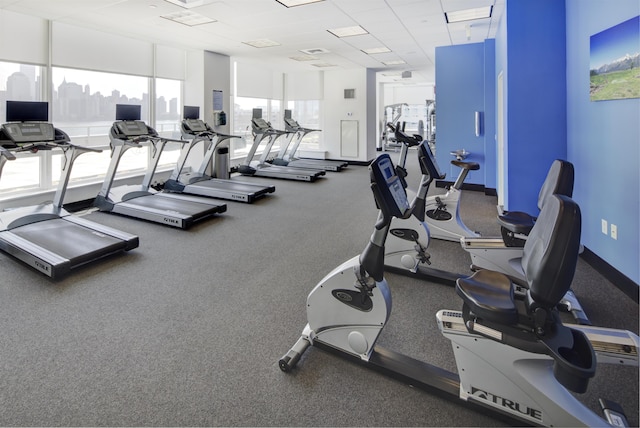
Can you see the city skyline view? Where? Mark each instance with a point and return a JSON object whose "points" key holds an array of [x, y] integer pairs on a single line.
{"points": [[80, 96]]}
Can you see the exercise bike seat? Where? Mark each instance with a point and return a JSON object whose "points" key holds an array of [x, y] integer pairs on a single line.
{"points": [[469, 166], [559, 181], [490, 295], [550, 256], [549, 260]]}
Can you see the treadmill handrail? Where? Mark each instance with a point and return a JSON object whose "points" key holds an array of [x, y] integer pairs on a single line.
{"points": [[209, 136], [6, 153]]}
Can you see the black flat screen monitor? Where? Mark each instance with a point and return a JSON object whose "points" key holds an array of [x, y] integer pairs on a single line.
{"points": [[191, 112], [27, 111], [257, 113], [127, 112], [287, 114]]}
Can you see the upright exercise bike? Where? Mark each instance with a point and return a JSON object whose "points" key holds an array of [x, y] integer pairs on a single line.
{"points": [[443, 211], [409, 237], [514, 357]]}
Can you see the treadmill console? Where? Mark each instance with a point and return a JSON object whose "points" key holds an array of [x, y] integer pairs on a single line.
{"points": [[29, 132], [260, 123], [291, 124], [195, 125], [131, 128]]}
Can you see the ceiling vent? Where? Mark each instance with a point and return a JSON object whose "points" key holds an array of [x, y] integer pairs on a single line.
{"points": [[315, 51], [406, 75]]}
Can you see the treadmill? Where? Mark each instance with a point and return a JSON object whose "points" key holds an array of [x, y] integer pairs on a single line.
{"points": [[260, 168], [297, 133], [142, 201], [46, 236], [199, 182]]}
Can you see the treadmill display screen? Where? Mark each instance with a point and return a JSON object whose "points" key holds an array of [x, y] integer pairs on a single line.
{"points": [[127, 112], [27, 111], [191, 112]]}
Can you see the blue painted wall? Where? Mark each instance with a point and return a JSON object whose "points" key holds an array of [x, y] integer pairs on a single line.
{"points": [[548, 116], [536, 92], [603, 141], [460, 92]]}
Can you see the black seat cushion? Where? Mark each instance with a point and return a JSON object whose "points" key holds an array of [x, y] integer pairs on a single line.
{"points": [[559, 181], [517, 222], [489, 295], [471, 166]]}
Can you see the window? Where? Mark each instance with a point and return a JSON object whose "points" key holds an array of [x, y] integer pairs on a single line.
{"points": [[307, 114], [84, 105], [168, 119], [243, 113], [21, 82]]}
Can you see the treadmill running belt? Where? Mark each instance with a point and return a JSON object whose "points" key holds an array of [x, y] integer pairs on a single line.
{"points": [[69, 240], [168, 203]]}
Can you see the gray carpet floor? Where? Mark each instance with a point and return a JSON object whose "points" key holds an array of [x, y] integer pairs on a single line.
{"points": [[187, 329]]}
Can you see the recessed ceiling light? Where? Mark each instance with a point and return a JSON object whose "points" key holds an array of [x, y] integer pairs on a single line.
{"points": [[293, 3], [188, 18], [303, 58], [379, 50], [323, 64], [348, 31], [262, 43], [468, 14], [396, 62]]}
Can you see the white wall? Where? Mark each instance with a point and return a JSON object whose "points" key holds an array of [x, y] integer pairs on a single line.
{"points": [[410, 94], [337, 109], [217, 76], [194, 80]]}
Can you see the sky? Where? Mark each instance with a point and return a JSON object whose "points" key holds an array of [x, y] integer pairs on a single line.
{"points": [[615, 42]]}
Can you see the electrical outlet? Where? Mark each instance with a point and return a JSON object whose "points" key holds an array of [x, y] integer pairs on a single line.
{"points": [[605, 228], [614, 231]]}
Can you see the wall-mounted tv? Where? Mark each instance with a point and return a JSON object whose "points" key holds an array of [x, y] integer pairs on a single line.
{"points": [[27, 111], [128, 112]]}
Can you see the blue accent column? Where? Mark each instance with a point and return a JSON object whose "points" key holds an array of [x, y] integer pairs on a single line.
{"points": [[536, 96]]}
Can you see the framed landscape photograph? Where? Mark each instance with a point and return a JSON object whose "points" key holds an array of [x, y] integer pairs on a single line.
{"points": [[615, 62]]}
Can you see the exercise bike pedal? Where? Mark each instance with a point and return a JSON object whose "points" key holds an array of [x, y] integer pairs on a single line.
{"points": [[614, 413]]}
